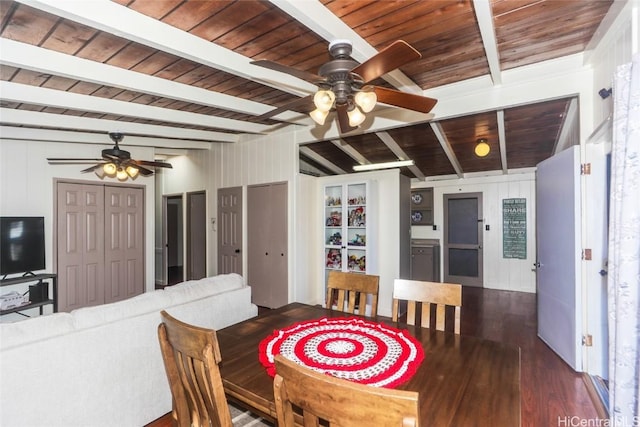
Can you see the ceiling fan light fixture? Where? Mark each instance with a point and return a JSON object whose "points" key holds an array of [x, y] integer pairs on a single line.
{"points": [[319, 116], [122, 174], [366, 100], [482, 148], [110, 169], [356, 117], [323, 100], [132, 171]]}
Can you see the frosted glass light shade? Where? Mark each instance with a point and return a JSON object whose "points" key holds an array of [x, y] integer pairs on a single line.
{"points": [[132, 171], [319, 116], [366, 101], [323, 100], [482, 148], [110, 169], [355, 117], [122, 174]]}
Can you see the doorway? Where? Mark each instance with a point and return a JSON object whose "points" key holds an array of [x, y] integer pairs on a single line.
{"points": [[173, 240], [463, 223], [196, 235]]}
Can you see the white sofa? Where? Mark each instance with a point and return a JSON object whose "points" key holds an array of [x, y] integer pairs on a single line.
{"points": [[101, 366]]}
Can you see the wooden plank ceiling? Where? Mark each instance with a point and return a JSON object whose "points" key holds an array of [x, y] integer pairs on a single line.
{"points": [[187, 70]]}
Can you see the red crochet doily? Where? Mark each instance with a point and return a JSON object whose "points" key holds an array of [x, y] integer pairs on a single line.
{"points": [[349, 348]]}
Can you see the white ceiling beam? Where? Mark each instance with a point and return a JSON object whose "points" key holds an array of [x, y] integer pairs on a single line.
{"points": [[502, 140], [349, 150], [10, 116], [319, 19], [49, 135], [119, 20], [484, 15], [568, 133], [23, 55], [28, 94], [321, 160], [446, 146], [399, 152]]}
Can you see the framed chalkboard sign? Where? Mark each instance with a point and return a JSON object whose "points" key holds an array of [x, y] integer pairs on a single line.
{"points": [[514, 228]]}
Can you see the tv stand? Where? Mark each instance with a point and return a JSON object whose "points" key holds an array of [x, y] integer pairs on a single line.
{"points": [[33, 278]]}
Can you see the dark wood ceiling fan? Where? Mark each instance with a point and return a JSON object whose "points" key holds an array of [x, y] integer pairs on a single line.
{"points": [[115, 161], [344, 77]]}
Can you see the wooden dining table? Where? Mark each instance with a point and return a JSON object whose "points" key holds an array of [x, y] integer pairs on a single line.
{"points": [[462, 381]]}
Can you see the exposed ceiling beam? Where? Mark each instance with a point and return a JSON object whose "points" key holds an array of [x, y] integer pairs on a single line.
{"points": [[28, 94], [352, 152], [446, 146], [124, 22], [399, 152], [484, 15], [319, 19], [568, 133], [10, 116], [23, 55], [502, 140], [321, 160]]}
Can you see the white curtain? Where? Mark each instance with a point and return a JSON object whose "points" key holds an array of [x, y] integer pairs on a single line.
{"points": [[624, 248]]}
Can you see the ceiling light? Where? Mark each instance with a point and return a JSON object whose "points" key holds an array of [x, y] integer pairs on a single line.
{"points": [[122, 174], [482, 148], [355, 117], [366, 100], [319, 116], [110, 169], [132, 171], [323, 100], [386, 165]]}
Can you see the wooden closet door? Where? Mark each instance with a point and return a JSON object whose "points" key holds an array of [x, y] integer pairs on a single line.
{"points": [[80, 245], [267, 244], [124, 242]]}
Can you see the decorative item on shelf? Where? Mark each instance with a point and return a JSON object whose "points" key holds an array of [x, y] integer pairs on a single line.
{"points": [[357, 263], [335, 239], [359, 240], [416, 216], [416, 198], [357, 217], [334, 201], [334, 219], [360, 200], [334, 259]]}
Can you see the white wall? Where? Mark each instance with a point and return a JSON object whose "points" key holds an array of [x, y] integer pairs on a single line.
{"points": [[26, 187], [499, 273]]}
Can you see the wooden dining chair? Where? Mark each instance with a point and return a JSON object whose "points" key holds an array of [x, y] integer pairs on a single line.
{"points": [[427, 293], [353, 289], [191, 355], [339, 402]]}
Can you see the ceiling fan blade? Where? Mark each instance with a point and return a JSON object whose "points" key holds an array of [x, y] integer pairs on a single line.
{"points": [[406, 100], [343, 119], [144, 171], [307, 100], [70, 161], [153, 164], [92, 168], [303, 75], [388, 59]]}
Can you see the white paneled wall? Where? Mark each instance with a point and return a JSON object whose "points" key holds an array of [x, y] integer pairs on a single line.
{"points": [[499, 273]]}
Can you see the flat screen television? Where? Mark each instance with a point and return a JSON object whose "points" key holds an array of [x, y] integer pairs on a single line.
{"points": [[21, 244]]}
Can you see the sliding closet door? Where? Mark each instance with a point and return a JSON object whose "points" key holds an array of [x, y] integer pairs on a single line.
{"points": [[124, 242], [80, 243]]}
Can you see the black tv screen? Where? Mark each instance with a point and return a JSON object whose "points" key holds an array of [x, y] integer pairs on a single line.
{"points": [[21, 244]]}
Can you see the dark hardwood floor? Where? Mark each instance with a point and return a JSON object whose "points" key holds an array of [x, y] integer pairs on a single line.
{"points": [[552, 393]]}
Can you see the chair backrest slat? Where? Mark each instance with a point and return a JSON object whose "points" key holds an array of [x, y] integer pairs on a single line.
{"points": [[354, 289], [191, 355], [338, 402], [427, 293]]}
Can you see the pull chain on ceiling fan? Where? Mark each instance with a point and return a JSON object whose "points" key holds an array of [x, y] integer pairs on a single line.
{"points": [[344, 85], [115, 162]]}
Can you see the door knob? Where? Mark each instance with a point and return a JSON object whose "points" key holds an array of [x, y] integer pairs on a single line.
{"points": [[237, 251]]}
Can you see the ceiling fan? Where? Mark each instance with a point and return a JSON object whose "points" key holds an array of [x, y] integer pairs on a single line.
{"points": [[115, 162], [344, 85]]}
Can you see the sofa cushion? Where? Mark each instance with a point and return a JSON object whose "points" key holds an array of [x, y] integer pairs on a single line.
{"points": [[197, 289], [35, 329], [88, 317]]}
